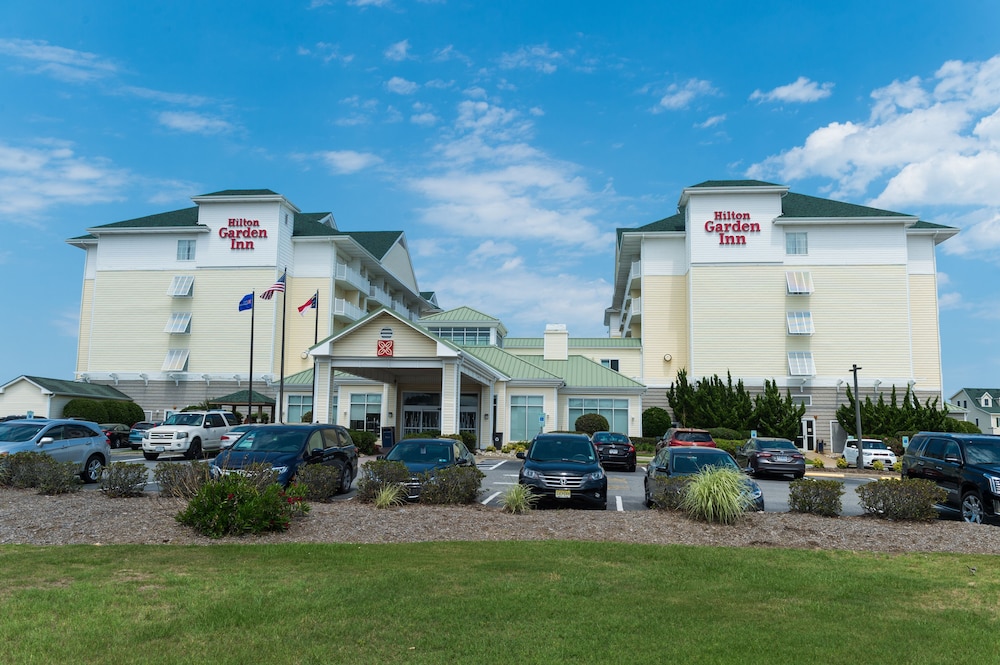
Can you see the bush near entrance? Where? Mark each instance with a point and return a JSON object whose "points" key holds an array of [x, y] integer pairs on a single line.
{"points": [[589, 423]]}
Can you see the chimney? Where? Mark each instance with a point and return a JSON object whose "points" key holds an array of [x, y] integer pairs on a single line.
{"points": [[556, 345]]}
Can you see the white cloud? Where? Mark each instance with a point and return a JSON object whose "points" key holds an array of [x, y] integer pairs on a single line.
{"points": [[193, 123], [801, 91], [398, 51], [401, 86], [712, 122], [49, 173], [540, 58], [343, 162], [179, 98], [369, 3], [426, 119], [60, 63], [680, 96], [951, 301], [326, 52]]}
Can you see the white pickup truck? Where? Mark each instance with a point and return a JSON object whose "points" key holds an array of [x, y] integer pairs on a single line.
{"points": [[188, 433]]}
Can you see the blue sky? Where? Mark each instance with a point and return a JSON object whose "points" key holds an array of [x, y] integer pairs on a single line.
{"points": [[507, 139]]}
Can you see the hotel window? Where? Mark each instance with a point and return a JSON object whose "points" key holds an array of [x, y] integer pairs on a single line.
{"points": [[800, 323], [800, 363], [526, 416], [803, 400], [179, 324], [181, 286], [298, 406], [185, 250], [176, 360], [610, 363], [799, 282], [366, 411], [796, 242], [614, 410], [464, 336]]}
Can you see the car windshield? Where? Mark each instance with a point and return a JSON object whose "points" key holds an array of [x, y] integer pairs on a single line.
{"points": [[982, 452], [569, 450], [877, 445], [688, 463], [184, 419], [783, 444], [412, 451], [694, 437], [20, 432], [143, 426], [272, 441]]}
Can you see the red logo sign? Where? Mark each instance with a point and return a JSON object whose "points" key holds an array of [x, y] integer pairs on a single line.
{"points": [[383, 347]]}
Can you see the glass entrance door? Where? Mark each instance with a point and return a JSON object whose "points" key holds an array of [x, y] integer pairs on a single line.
{"points": [[421, 413]]}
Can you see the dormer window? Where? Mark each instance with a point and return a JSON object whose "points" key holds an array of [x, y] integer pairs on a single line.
{"points": [[987, 401]]}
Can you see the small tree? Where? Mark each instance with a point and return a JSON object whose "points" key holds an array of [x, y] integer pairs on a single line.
{"points": [[590, 423], [655, 421]]}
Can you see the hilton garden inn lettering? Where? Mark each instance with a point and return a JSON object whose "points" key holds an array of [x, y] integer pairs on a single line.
{"points": [[731, 227], [241, 232]]}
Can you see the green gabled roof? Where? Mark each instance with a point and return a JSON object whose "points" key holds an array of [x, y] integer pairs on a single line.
{"points": [[303, 378], [672, 223], [735, 183], [975, 394], [801, 205], [580, 372], [242, 397], [68, 388], [576, 342], [174, 218], [460, 314], [507, 363], [309, 224], [377, 243], [930, 225], [241, 192]]}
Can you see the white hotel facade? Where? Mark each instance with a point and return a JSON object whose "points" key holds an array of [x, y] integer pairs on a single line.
{"points": [[747, 278]]}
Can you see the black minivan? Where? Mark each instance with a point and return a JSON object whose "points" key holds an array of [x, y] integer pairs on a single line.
{"points": [[966, 466]]}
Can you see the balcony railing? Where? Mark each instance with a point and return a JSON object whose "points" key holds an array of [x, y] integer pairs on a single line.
{"points": [[345, 273], [347, 310], [634, 274], [380, 295]]}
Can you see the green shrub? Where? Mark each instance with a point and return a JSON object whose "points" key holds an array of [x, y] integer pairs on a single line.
{"points": [[389, 496], [87, 409], [518, 499], [655, 422], [817, 463], [321, 481], [716, 495], [590, 423], [644, 444], [39, 471], [898, 466], [469, 439], [181, 480], [453, 485], [819, 497], [235, 505], [668, 492], [365, 441], [728, 434], [489, 449], [909, 499], [877, 465], [307, 417], [378, 474], [427, 434], [123, 479], [841, 463], [729, 445]]}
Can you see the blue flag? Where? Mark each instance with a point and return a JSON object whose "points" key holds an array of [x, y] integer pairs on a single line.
{"points": [[246, 302]]}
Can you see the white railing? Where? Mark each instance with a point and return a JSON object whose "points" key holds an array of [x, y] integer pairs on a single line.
{"points": [[345, 273], [347, 309]]}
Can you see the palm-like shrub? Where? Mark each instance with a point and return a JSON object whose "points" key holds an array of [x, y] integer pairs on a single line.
{"points": [[518, 499], [716, 495]]}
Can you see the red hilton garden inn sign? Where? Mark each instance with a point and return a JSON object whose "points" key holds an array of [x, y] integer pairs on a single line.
{"points": [[241, 232], [732, 227]]}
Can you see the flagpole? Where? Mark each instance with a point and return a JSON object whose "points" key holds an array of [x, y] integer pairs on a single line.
{"points": [[253, 310], [315, 342], [281, 381]]}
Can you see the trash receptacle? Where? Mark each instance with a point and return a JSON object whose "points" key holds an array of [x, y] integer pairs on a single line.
{"points": [[819, 446]]}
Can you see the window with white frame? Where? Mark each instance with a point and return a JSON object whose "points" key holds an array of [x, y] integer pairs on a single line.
{"points": [[610, 363], [804, 400], [800, 323], [796, 242], [614, 410], [185, 250], [178, 324], [799, 282], [176, 360], [298, 406], [366, 411], [800, 363], [527, 413], [471, 336], [181, 286]]}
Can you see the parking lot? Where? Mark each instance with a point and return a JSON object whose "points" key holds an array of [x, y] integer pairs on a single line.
{"points": [[625, 490]]}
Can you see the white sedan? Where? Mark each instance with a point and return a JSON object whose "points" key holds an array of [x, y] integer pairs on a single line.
{"points": [[874, 450]]}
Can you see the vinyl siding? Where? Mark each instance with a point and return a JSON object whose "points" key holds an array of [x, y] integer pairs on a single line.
{"points": [[665, 323], [926, 333], [408, 342]]}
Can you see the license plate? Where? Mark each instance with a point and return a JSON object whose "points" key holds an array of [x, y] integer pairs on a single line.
{"points": [[158, 449], [781, 458], [613, 451], [563, 494]]}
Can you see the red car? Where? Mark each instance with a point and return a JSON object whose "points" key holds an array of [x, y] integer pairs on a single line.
{"points": [[686, 436]]}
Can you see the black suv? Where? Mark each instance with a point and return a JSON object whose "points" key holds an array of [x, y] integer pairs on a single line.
{"points": [[565, 468], [966, 466]]}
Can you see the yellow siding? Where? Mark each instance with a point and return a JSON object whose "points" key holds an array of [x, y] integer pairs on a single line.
{"points": [[300, 328], [407, 342], [665, 322], [86, 328], [926, 333]]}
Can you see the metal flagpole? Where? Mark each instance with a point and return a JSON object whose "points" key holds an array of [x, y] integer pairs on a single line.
{"points": [[253, 310], [315, 342], [281, 381]]}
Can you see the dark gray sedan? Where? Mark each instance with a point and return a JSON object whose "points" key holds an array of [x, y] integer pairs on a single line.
{"points": [[771, 456]]}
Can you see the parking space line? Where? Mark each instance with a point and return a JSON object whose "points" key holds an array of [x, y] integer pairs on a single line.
{"points": [[495, 466], [490, 498], [618, 502]]}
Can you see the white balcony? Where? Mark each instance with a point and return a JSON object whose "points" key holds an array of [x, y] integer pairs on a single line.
{"points": [[347, 274], [634, 275], [346, 310], [632, 314], [380, 295]]}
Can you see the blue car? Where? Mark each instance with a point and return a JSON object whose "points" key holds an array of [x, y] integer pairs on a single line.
{"points": [[423, 455], [287, 448], [135, 434]]}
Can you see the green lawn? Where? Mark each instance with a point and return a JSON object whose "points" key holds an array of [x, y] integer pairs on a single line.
{"points": [[508, 602]]}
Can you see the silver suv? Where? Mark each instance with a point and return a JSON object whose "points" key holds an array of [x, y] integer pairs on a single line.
{"points": [[77, 441]]}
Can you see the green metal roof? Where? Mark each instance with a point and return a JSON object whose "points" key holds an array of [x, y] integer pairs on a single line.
{"points": [[507, 363], [242, 397], [460, 315], [580, 372], [77, 388], [576, 342], [241, 192]]}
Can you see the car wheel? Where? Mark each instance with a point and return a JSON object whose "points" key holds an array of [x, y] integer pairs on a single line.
{"points": [[798, 476], [972, 507], [151, 456], [631, 467], [346, 477], [92, 469], [649, 499], [194, 450]]}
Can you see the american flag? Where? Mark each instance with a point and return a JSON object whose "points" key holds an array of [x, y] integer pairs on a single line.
{"points": [[274, 288]]}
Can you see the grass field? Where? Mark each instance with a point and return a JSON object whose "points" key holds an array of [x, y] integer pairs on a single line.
{"points": [[507, 602]]}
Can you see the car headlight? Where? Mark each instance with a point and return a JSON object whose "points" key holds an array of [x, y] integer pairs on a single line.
{"points": [[279, 469], [531, 473], [754, 491], [994, 484], [596, 475], [182, 435]]}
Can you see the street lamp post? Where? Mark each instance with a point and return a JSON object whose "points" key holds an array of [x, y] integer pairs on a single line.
{"points": [[857, 421]]}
